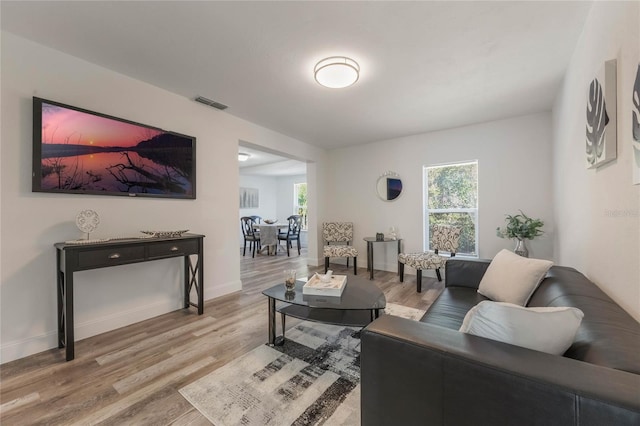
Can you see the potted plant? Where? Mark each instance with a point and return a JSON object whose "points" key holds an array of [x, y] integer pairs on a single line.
{"points": [[521, 227]]}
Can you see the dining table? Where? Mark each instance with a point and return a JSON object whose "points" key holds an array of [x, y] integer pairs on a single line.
{"points": [[269, 235]]}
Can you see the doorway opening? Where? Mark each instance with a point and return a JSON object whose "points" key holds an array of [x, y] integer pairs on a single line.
{"points": [[272, 188]]}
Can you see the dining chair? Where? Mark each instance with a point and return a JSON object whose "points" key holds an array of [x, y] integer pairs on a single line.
{"points": [[293, 232], [250, 235], [342, 234], [256, 219], [443, 238]]}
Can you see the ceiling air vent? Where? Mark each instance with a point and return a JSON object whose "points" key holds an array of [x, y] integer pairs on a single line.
{"points": [[211, 103]]}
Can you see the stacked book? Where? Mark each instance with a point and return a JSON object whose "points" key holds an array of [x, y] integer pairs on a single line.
{"points": [[317, 286]]}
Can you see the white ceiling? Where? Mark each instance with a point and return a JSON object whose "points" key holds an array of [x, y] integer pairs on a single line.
{"points": [[261, 163], [425, 65]]}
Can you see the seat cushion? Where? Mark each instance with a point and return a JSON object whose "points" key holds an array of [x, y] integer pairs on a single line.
{"points": [[425, 260], [339, 251], [451, 306]]}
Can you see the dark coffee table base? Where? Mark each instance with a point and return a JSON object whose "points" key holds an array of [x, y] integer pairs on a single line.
{"points": [[346, 317], [359, 304]]}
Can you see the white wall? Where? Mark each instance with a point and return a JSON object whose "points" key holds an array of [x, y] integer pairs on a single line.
{"points": [[268, 190], [31, 222], [285, 195], [598, 211], [514, 166], [317, 208], [267, 204], [285, 200]]}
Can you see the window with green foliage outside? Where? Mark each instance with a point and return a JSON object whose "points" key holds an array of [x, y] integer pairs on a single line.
{"points": [[451, 198], [300, 202]]}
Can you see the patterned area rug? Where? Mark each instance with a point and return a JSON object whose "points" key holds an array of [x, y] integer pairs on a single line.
{"points": [[313, 379]]}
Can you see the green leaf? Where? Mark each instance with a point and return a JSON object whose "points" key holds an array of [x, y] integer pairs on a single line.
{"points": [[521, 226]]}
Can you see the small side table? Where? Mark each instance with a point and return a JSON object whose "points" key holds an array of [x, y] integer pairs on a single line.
{"points": [[370, 241]]}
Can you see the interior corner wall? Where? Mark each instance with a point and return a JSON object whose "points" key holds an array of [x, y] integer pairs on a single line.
{"points": [[514, 172], [317, 201], [597, 211], [31, 223]]}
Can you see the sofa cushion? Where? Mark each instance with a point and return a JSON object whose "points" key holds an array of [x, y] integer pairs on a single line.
{"points": [[549, 330], [511, 278], [561, 281], [451, 306], [608, 335]]}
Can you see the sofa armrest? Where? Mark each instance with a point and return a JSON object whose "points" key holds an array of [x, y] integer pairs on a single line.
{"points": [[417, 373], [465, 272]]}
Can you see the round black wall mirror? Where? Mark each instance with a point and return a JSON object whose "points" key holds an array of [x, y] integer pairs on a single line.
{"points": [[389, 186]]}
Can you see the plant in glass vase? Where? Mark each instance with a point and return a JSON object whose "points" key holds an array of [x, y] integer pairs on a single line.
{"points": [[521, 227]]}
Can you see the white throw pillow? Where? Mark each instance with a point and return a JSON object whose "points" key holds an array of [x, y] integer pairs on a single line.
{"points": [[549, 330], [513, 279]]}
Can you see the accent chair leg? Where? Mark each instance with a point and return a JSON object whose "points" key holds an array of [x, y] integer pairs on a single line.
{"points": [[244, 249], [401, 271], [288, 244], [326, 264], [355, 266], [438, 274], [298, 246], [419, 283]]}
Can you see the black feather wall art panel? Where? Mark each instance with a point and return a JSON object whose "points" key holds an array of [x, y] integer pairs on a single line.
{"points": [[635, 127], [601, 117]]}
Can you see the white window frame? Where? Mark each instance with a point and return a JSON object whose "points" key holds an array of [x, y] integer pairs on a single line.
{"points": [[426, 211], [296, 207]]}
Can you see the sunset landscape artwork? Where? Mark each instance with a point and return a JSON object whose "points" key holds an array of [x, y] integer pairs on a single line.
{"points": [[88, 152]]}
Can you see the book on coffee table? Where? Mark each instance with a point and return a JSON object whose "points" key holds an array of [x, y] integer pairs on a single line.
{"points": [[335, 287]]}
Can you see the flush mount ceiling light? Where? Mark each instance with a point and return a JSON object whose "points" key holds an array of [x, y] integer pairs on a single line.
{"points": [[336, 72], [243, 156]]}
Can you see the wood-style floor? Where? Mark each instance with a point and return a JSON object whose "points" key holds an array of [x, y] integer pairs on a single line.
{"points": [[131, 376]]}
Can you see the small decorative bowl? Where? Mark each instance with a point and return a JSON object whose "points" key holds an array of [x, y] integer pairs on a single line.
{"points": [[270, 221], [165, 234]]}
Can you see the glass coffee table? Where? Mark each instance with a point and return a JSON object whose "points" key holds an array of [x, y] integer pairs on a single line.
{"points": [[359, 304]]}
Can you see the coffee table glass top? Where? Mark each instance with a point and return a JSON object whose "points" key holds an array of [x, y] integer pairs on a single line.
{"points": [[359, 293]]}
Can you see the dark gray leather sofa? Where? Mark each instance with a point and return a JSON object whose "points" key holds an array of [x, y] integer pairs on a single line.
{"points": [[428, 373]]}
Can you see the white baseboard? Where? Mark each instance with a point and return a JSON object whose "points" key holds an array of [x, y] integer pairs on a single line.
{"points": [[123, 318], [34, 344], [28, 346], [315, 262], [390, 267], [222, 290]]}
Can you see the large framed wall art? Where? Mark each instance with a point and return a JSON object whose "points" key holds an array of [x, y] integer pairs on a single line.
{"points": [[249, 198]]}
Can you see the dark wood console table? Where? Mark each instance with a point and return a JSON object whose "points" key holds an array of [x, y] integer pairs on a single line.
{"points": [[81, 257]]}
